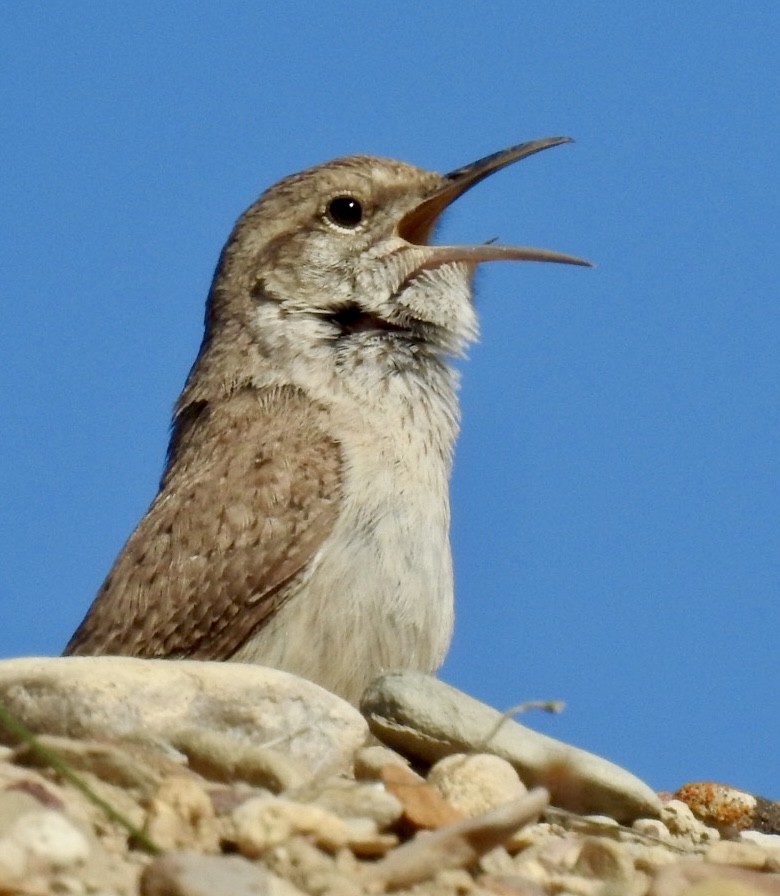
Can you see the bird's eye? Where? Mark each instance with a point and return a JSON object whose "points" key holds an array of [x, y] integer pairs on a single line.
{"points": [[346, 211]]}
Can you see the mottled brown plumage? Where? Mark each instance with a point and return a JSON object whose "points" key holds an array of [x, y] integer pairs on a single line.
{"points": [[302, 520], [221, 532]]}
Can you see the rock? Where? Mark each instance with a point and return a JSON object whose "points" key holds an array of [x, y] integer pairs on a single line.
{"points": [[220, 757], [745, 855], [181, 816], [264, 822], [190, 874], [351, 799], [474, 784], [314, 871], [651, 827], [458, 845], [154, 701], [769, 842], [423, 806], [730, 809], [49, 839], [606, 861], [127, 765], [692, 878], [370, 761], [681, 822], [423, 717]]}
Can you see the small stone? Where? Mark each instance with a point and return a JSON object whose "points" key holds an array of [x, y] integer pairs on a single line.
{"points": [[509, 885], [680, 821], [693, 878], [423, 806], [457, 845], [423, 717], [730, 852], [267, 821], [350, 799], [369, 761], [181, 816], [605, 860], [190, 874], [651, 858], [724, 807], [769, 842], [50, 839], [312, 870], [600, 821], [496, 861], [475, 783], [651, 827], [126, 765]]}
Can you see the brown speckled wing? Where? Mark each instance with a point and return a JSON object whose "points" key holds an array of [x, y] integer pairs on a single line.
{"points": [[251, 492]]}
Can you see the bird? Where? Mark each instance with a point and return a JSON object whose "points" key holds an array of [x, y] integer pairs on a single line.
{"points": [[302, 519]]}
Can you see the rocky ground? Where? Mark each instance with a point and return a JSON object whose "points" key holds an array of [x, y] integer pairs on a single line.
{"points": [[230, 780]]}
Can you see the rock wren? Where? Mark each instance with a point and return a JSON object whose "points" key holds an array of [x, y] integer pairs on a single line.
{"points": [[302, 520]]}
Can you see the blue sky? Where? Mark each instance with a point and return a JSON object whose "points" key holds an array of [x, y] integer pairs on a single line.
{"points": [[615, 497]]}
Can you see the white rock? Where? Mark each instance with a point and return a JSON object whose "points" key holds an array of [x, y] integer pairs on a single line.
{"points": [[767, 841], [421, 716], [50, 838], [476, 783], [155, 700], [264, 822]]}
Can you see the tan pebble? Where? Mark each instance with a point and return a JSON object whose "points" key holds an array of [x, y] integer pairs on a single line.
{"points": [[373, 847], [497, 861], [745, 855], [508, 885], [181, 816], [604, 859], [681, 821], [690, 877], [350, 799], [573, 885], [651, 858], [722, 888], [457, 845], [651, 827], [369, 761], [455, 880], [476, 783], [424, 807], [264, 822], [312, 870], [601, 821]]}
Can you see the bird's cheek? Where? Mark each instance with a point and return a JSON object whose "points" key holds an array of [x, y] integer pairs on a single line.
{"points": [[442, 297]]}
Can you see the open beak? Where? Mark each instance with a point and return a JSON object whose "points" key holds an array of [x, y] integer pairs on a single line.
{"points": [[417, 225]]}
